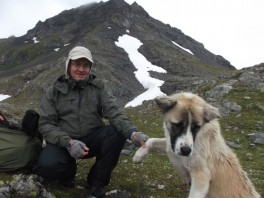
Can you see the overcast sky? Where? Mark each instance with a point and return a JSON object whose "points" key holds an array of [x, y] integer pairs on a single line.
{"points": [[233, 29]]}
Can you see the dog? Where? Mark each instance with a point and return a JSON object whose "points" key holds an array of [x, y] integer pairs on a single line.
{"points": [[197, 150]]}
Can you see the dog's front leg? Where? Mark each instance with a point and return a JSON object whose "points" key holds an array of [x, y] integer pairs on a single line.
{"points": [[200, 183], [151, 143]]}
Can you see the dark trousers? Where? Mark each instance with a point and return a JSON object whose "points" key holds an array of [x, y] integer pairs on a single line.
{"points": [[104, 143]]}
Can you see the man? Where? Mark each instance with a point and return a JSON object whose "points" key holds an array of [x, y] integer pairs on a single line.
{"points": [[70, 121]]}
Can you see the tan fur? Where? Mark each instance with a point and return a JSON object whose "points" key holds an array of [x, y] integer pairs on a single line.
{"points": [[213, 169]]}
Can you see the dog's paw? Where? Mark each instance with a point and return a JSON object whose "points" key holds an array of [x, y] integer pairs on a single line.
{"points": [[140, 155]]}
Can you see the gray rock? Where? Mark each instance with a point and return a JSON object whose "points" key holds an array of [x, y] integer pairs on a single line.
{"points": [[233, 145], [24, 186], [219, 91], [5, 192], [232, 106], [118, 194], [251, 77], [258, 138]]}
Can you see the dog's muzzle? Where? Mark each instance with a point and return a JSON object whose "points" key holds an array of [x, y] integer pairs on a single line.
{"points": [[183, 151], [186, 150]]}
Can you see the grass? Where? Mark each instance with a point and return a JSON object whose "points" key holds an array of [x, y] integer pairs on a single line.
{"points": [[156, 177]]}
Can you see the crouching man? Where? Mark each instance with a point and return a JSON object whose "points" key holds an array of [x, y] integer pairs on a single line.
{"points": [[70, 121]]}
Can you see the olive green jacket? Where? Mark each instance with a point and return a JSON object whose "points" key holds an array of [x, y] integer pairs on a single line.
{"points": [[71, 110]]}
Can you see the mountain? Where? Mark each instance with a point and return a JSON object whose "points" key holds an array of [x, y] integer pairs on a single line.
{"points": [[31, 63], [39, 55]]}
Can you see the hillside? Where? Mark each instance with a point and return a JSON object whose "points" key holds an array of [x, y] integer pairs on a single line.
{"points": [[240, 100]]}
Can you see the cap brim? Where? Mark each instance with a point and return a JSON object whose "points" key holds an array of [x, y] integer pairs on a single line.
{"points": [[78, 57]]}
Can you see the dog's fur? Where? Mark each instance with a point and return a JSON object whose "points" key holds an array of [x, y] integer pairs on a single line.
{"points": [[197, 150]]}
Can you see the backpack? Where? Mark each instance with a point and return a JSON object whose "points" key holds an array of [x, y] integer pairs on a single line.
{"points": [[19, 146], [30, 123]]}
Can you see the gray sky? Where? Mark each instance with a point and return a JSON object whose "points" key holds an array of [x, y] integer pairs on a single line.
{"points": [[233, 29]]}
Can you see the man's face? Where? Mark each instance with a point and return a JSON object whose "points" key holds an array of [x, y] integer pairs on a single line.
{"points": [[79, 69]]}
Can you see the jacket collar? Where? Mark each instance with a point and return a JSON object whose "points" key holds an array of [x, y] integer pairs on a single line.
{"points": [[64, 85]]}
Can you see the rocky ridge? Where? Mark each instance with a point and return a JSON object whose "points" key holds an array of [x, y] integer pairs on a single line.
{"points": [[98, 26]]}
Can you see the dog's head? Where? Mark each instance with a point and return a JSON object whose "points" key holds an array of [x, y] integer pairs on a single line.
{"points": [[184, 114]]}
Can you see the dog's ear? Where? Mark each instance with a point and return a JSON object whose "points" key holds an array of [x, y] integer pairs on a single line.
{"points": [[165, 103], [211, 112]]}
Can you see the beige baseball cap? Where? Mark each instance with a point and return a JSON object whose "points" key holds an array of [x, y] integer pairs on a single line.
{"points": [[80, 52], [76, 53]]}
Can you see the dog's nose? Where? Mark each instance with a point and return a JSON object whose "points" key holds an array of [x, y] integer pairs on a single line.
{"points": [[186, 150]]}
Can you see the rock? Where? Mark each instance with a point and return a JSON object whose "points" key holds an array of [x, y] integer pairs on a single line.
{"points": [[251, 78], [247, 98], [219, 91], [30, 186], [233, 145], [118, 194], [258, 138], [232, 106], [5, 192]]}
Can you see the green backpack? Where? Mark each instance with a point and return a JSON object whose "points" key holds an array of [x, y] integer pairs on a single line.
{"points": [[19, 148]]}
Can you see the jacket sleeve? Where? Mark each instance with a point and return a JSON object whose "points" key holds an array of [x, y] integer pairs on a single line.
{"points": [[115, 113], [48, 121]]}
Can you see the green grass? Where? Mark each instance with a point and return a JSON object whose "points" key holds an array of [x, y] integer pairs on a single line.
{"points": [[156, 177]]}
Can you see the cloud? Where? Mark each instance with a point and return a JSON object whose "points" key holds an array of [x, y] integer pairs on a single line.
{"points": [[17, 16]]}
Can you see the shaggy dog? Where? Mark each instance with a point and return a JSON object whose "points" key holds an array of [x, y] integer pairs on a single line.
{"points": [[197, 150]]}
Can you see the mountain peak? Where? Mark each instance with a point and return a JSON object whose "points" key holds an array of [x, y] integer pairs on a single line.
{"points": [[98, 26]]}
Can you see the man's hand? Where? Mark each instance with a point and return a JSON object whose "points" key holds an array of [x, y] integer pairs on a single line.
{"points": [[77, 149], [139, 139]]}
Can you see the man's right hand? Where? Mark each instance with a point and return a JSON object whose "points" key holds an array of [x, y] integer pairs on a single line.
{"points": [[139, 139], [77, 149]]}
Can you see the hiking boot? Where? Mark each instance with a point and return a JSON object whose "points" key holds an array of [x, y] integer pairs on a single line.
{"points": [[97, 191], [68, 183]]}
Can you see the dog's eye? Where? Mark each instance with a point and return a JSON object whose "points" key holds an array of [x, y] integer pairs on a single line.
{"points": [[177, 126], [195, 127]]}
